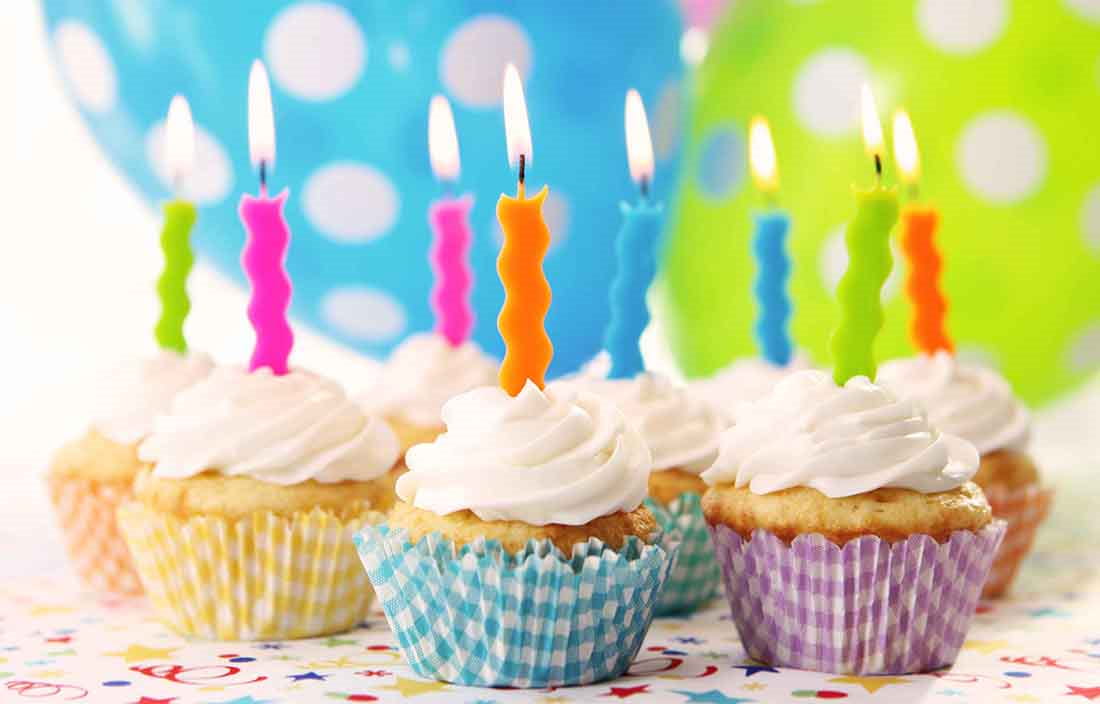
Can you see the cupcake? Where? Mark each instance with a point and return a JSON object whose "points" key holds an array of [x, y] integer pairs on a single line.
{"points": [[519, 553], [976, 403], [419, 377], [850, 537], [243, 514], [91, 476], [682, 434], [748, 379]]}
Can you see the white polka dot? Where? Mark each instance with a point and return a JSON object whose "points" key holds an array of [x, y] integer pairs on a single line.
{"points": [[666, 120], [1089, 9], [693, 46], [1083, 354], [1090, 218], [555, 213], [962, 26], [86, 65], [834, 262], [212, 176], [826, 91], [315, 50], [1002, 156], [473, 59], [363, 313], [350, 202], [398, 54]]}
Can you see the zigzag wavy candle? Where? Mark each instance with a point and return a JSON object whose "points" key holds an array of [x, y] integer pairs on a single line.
{"points": [[175, 242], [449, 218], [262, 259]]}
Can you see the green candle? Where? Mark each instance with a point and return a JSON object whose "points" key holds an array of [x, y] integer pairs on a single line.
{"points": [[175, 241], [869, 263]]}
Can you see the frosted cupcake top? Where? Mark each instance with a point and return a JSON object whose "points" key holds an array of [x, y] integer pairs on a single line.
{"points": [[422, 374], [280, 429], [840, 440], [139, 391], [539, 457], [748, 379], [680, 431], [967, 400]]}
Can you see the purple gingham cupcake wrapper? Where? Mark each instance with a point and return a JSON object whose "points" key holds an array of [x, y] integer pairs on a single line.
{"points": [[869, 607]]}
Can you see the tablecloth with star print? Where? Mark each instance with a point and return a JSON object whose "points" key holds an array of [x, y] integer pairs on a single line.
{"points": [[1042, 644]]}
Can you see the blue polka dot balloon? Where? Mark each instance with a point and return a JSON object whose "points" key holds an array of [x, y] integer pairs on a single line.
{"points": [[351, 83]]}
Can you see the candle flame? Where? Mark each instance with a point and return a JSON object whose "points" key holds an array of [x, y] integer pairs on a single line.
{"points": [[765, 171], [872, 126], [517, 130], [639, 145], [442, 140], [179, 141], [261, 118], [905, 148]]}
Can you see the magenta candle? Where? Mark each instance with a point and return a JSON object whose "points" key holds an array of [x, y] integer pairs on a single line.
{"points": [[450, 221], [267, 240]]}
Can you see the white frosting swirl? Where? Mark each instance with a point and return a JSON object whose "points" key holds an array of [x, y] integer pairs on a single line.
{"points": [[839, 440], [967, 400], [139, 391], [422, 374], [279, 429], [681, 432], [748, 379], [539, 457]]}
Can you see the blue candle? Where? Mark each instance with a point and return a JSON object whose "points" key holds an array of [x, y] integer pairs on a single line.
{"points": [[773, 267], [769, 244], [636, 251]]}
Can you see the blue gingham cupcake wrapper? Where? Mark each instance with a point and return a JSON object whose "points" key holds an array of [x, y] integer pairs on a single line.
{"points": [[481, 616], [697, 574]]}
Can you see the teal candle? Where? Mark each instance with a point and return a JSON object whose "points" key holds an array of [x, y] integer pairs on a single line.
{"points": [[635, 251], [636, 256], [773, 267]]}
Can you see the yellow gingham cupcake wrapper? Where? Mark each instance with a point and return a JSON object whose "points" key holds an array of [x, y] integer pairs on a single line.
{"points": [[255, 578]]}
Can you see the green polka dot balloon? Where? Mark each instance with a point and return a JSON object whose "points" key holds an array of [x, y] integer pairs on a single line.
{"points": [[1005, 101]]}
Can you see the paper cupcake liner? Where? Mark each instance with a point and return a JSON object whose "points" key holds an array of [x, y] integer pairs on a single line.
{"points": [[868, 608], [481, 616], [696, 576], [85, 510], [263, 576], [1023, 509]]}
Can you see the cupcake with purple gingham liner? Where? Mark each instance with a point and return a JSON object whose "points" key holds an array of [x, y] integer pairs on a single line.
{"points": [[519, 553], [682, 433], [850, 537]]}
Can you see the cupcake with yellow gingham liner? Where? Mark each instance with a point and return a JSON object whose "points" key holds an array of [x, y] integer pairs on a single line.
{"points": [[91, 476], [976, 403], [682, 434], [519, 553], [241, 522]]}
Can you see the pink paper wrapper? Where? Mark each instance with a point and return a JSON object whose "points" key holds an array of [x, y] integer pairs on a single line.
{"points": [[1023, 510], [869, 607]]}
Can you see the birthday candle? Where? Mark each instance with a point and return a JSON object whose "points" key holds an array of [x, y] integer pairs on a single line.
{"points": [[635, 249], [268, 237], [928, 328], [869, 263], [175, 237], [769, 247], [527, 347], [449, 217]]}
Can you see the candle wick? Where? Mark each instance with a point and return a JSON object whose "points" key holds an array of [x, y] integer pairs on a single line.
{"points": [[263, 176], [643, 186], [522, 168], [770, 199], [914, 191], [878, 166]]}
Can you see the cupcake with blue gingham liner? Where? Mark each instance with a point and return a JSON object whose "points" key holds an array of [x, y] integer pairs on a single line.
{"points": [[850, 536], [519, 553], [682, 434]]}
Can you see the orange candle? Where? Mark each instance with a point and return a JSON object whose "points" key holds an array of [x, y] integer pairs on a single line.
{"points": [[928, 327], [527, 347]]}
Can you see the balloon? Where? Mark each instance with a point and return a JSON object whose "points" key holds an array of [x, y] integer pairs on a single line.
{"points": [[351, 83], [1006, 117]]}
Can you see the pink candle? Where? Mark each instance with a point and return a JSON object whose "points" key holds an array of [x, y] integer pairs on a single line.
{"points": [[449, 218], [268, 236]]}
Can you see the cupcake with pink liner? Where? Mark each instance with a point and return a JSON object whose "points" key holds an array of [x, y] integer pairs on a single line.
{"points": [[977, 403], [850, 537]]}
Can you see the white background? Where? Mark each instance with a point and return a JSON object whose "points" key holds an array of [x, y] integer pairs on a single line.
{"points": [[78, 260]]}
